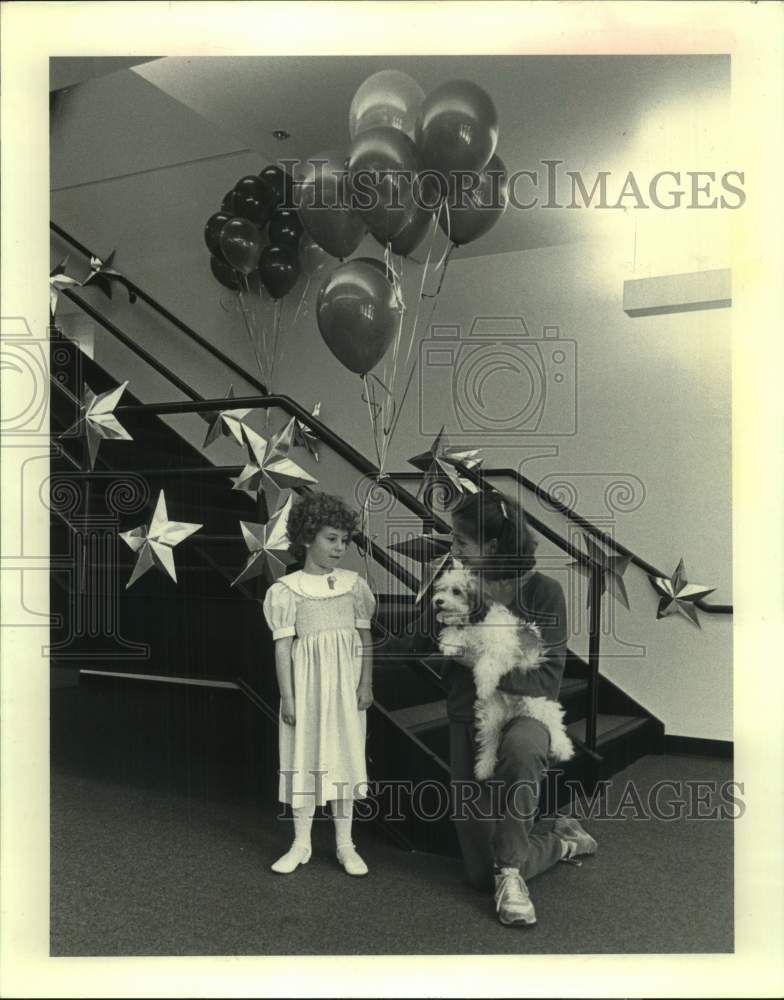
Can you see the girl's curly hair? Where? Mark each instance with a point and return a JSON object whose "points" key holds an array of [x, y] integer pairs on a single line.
{"points": [[315, 511], [488, 515]]}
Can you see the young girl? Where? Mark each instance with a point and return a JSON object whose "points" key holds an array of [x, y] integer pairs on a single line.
{"points": [[320, 621], [491, 537]]}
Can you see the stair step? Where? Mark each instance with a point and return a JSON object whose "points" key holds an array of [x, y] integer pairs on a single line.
{"points": [[608, 727], [417, 717]]}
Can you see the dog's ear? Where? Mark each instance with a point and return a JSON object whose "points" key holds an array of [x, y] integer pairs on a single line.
{"points": [[478, 603]]}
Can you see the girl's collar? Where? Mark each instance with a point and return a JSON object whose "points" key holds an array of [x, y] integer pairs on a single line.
{"points": [[339, 581]]}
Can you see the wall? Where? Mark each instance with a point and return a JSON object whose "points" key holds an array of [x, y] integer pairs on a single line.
{"points": [[651, 396]]}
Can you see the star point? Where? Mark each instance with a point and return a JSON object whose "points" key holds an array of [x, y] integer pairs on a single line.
{"points": [[153, 543], [678, 595]]}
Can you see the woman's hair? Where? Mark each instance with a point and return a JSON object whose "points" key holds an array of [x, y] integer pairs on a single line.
{"points": [[311, 513], [489, 515]]}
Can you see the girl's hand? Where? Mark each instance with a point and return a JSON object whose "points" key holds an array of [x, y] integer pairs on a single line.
{"points": [[364, 698], [287, 711]]}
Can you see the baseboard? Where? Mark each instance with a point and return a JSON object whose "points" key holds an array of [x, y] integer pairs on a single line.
{"points": [[694, 747]]}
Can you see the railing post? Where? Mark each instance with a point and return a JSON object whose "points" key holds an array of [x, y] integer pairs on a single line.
{"points": [[594, 639]]}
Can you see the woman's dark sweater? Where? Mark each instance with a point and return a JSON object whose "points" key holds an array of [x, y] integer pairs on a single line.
{"points": [[538, 599]]}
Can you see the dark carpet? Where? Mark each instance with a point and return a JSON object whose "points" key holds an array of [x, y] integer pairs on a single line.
{"points": [[144, 862]]}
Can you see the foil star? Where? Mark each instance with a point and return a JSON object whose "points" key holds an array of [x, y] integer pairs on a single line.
{"points": [[430, 573], [154, 543], [612, 570], [678, 595], [269, 468], [225, 423], [304, 436], [99, 420], [423, 548], [58, 280], [440, 466], [102, 275], [268, 544]]}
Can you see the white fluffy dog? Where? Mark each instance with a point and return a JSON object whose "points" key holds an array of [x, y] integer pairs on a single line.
{"points": [[497, 641]]}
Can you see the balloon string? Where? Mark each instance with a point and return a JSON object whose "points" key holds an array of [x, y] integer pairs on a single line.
{"points": [[442, 262], [390, 409], [275, 339], [249, 329], [422, 283], [366, 396], [301, 300]]}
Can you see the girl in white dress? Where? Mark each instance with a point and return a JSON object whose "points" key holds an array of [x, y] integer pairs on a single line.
{"points": [[320, 621]]}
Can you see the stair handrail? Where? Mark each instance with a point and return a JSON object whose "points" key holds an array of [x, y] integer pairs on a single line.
{"points": [[140, 293], [478, 476]]}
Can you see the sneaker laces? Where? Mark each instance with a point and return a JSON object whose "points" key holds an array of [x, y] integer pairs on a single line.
{"points": [[513, 887], [569, 854]]}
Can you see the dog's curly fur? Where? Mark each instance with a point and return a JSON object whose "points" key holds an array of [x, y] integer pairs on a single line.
{"points": [[497, 641]]}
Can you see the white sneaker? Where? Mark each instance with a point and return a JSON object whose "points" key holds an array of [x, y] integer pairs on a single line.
{"points": [[512, 902], [297, 854], [351, 861]]}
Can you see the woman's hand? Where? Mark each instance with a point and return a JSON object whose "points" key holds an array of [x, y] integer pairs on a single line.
{"points": [[364, 697], [287, 711]]}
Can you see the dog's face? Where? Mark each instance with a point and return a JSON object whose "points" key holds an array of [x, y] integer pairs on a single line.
{"points": [[457, 598]]}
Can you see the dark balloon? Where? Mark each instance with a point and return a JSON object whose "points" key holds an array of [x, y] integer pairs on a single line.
{"points": [[412, 233], [226, 275], [281, 183], [279, 269], [212, 231], [473, 212], [457, 127], [382, 168], [379, 265], [285, 227], [254, 200], [358, 314], [227, 205], [240, 243], [320, 198]]}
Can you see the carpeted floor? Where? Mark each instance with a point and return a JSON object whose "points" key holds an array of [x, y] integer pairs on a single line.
{"points": [[146, 869]]}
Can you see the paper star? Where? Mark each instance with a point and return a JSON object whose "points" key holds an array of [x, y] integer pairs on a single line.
{"points": [[154, 543], [58, 280], [430, 572], [423, 548], [269, 467], [612, 570], [268, 544], [677, 595], [99, 420], [304, 436], [102, 274], [440, 465], [225, 423]]}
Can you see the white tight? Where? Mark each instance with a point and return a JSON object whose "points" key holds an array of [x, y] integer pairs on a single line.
{"points": [[342, 813]]}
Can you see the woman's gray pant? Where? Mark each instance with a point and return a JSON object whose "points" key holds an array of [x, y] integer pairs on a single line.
{"points": [[494, 820]]}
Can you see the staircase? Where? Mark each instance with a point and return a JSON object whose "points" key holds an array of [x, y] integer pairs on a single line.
{"points": [[206, 632]]}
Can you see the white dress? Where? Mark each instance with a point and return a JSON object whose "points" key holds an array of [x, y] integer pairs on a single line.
{"points": [[322, 757]]}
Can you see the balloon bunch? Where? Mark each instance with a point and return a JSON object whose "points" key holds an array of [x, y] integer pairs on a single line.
{"points": [[256, 242], [416, 163]]}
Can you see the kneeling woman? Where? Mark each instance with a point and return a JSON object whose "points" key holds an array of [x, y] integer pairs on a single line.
{"points": [[491, 537]]}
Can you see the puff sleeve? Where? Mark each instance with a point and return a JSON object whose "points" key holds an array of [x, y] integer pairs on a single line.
{"points": [[280, 610], [364, 603]]}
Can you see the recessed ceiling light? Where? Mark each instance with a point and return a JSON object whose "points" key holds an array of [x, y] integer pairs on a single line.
{"points": [[281, 133]]}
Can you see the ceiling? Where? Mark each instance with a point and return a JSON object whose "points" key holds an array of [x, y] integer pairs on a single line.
{"points": [[591, 112]]}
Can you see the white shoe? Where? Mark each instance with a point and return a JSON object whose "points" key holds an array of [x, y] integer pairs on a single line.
{"points": [[351, 861], [297, 855], [512, 901]]}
